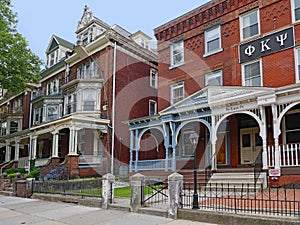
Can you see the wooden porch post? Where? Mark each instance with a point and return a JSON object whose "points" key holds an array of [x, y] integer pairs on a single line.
{"points": [[264, 138], [213, 144], [276, 133], [131, 150]]}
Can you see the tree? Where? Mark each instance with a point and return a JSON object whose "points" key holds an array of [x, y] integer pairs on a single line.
{"points": [[18, 64]]}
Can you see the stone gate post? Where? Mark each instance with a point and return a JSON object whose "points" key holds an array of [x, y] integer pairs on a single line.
{"points": [[137, 184], [175, 184], [107, 190]]}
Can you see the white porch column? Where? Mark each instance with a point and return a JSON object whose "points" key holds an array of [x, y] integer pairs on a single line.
{"points": [[73, 141], [54, 145], [17, 150], [136, 150], [131, 150], [277, 153], [33, 141], [276, 133], [264, 138], [8, 152], [174, 158], [213, 144]]}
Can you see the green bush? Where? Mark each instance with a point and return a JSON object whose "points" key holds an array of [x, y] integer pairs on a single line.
{"points": [[15, 170], [35, 173]]}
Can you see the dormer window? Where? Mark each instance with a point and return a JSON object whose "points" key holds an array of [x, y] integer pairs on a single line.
{"points": [[52, 57]]}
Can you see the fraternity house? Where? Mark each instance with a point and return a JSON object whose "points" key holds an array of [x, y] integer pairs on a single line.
{"points": [[229, 75], [71, 122]]}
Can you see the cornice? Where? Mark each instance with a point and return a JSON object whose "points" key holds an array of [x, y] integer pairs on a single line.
{"points": [[198, 17]]}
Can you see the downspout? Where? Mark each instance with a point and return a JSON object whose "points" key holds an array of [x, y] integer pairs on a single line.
{"points": [[113, 110]]}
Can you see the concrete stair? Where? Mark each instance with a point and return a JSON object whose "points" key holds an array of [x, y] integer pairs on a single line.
{"points": [[239, 181]]}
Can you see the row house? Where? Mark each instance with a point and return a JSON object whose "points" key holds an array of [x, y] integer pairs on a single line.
{"points": [[229, 75], [73, 118]]}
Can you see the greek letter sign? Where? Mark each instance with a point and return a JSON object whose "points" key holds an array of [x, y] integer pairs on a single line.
{"points": [[266, 45]]}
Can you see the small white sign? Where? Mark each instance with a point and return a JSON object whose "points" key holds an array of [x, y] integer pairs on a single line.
{"points": [[274, 172]]}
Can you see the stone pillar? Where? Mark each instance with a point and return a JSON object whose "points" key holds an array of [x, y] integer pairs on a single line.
{"points": [[175, 185], [137, 184], [107, 190], [54, 145]]}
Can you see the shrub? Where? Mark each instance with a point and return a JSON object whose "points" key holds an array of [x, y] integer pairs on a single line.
{"points": [[15, 170], [35, 173]]}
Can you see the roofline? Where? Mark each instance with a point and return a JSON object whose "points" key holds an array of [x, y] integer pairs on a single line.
{"points": [[183, 15]]}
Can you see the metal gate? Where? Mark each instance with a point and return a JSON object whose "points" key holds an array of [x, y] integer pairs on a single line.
{"points": [[154, 193]]}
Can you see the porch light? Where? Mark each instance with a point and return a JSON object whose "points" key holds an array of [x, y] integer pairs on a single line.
{"points": [[194, 140]]}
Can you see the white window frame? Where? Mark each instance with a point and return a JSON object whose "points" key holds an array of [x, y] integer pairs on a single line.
{"points": [[207, 40], [241, 24], [261, 73], [173, 88], [177, 43], [293, 7], [212, 75], [297, 64], [153, 83], [155, 107]]}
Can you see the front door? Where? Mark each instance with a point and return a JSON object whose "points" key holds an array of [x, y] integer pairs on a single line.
{"points": [[251, 144]]}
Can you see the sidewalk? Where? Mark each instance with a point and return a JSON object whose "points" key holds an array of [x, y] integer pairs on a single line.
{"points": [[15, 211]]}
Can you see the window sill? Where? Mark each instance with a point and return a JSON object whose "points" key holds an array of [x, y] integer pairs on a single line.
{"points": [[177, 65], [213, 52]]}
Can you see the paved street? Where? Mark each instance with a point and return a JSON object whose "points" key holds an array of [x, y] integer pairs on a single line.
{"points": [[15, 211]]}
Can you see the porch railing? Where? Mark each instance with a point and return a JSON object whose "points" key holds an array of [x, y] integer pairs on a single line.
{"points": [[23, 162], [289, 155], [158, 164]]}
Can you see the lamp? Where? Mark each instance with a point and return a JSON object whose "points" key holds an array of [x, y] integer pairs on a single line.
{"points": [[194, 140]]}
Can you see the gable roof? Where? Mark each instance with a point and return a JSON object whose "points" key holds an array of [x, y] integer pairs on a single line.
{"points": [[198, 100], [57, 41]]}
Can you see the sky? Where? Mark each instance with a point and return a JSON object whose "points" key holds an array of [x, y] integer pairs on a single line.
{"points": [[38, 20]]}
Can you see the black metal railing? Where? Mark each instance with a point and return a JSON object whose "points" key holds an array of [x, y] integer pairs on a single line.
{"points": [[89, 187], [247, 198], [258, 166]]}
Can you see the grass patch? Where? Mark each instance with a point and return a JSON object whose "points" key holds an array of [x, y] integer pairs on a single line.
{"points": [[122, 192]]}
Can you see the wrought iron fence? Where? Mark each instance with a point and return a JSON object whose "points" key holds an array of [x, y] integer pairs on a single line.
{"points": [[88, 188], [283, 201]]}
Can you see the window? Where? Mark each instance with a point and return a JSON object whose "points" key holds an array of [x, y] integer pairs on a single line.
{"points": [[292, 128], [153, 78], [54, 87], [52, 112], [297, 64], [186, 145], [3, 128], [252, 74], [87, 70], [152, 108], [13, 127], [177, 53], [212, 40], [89, 100], [71, 104], [249, 24], [296, 10], [214, 78], [177, 92]]}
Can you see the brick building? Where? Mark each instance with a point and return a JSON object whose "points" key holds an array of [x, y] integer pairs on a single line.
{"points": [[229, 72], [72, 120]]}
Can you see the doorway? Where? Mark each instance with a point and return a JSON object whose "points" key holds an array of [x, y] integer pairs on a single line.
{"points": [[250, 144]]}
